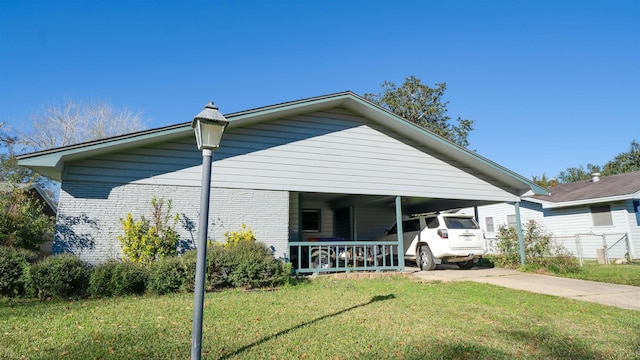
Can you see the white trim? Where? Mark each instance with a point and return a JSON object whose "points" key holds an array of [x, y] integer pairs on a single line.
{"points": [[553, 205]]}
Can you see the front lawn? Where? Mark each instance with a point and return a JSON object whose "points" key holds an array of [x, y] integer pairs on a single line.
{"points": [[614, 274], [326, 318]]}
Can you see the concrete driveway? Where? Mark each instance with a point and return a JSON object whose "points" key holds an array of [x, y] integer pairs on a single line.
{"points": [[623, 296]]}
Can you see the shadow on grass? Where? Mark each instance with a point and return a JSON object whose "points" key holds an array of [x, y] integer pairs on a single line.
{"points": [[306, 323]]}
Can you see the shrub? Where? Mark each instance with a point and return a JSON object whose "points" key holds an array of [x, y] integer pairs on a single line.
{"points": [[167, 275], [62, 276], [15, 278], [540, 253], [234, 238], [150, 239], [252, 265], [115, 278], [216, 272], [22, 221]]}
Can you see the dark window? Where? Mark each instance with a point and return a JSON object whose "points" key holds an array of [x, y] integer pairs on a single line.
{"points": [[432, 222], [460, 223], [411, 225], [311, 220], [601, 215]]}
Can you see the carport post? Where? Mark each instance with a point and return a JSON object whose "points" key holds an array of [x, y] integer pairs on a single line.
{"points": [[399, 232], [519, 228]]}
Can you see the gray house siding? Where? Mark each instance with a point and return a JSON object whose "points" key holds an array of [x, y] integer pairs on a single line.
{"points": [[330, 151], [89, 215]]}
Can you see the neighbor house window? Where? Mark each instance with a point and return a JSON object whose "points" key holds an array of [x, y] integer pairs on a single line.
{"points": [[511, 221], [488, 222], [601, 215], [311, 220]]}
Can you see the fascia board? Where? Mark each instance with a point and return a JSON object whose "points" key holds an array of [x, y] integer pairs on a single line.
{"points": [[50, 163], [554, 205]]}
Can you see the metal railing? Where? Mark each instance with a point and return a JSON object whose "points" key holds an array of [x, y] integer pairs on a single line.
{"points": [[343, 256]]}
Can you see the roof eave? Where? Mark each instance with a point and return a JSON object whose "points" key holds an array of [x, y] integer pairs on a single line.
{"points": [[582, 202]]}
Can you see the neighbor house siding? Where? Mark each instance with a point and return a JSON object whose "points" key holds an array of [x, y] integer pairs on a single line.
{"points": [[565, 223], [93, 211], [330, 151]]}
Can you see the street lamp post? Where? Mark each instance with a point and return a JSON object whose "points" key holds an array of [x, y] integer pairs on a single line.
{"points": [[208, 125]]}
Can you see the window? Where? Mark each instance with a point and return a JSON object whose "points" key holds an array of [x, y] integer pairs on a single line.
{"points": [[601, 215], [411, 225], [432, 223], [460, 223], [488, 222], [311, 220], [511, 221]]}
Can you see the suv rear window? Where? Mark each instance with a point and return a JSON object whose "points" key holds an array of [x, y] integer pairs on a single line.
{"points": [[460, 223]]}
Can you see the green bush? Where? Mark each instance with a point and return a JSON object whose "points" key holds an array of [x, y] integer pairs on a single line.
{"points": [[252, 265], [62, 276], [15, 278], [216, 273], [115, 278], [540, 253], [167, 275], [22, 221]]}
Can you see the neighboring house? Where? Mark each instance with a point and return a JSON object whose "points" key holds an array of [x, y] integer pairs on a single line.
{"points": [[334, 167], [582, 216]]}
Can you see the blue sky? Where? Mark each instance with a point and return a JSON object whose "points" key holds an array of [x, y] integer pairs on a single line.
{"points": [[550, 84]]}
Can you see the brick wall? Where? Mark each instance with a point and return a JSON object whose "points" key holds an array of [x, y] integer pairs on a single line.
{"points": [[91, 212]]}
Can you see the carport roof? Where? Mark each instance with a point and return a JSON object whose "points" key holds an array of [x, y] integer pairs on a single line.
{"points": [[50, 162]]}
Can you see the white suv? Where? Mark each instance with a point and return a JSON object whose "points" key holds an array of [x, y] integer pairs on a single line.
{"points": [[432, 239]]}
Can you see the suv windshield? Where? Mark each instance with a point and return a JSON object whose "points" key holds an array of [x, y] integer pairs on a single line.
{"points": [[460, 223]]}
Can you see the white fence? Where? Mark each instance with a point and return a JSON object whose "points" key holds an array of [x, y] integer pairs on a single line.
{"points": [[611, 246]]}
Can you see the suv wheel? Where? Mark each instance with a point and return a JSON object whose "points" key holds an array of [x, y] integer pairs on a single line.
{"points": [[425, 258]]}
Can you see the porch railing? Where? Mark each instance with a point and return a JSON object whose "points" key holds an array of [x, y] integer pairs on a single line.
{"points": [[343, 256]]}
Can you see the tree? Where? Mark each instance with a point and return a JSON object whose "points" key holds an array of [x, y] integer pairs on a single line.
{"points": [[22, 220], [424, 106], [624, 162], [72, 122], [577, 173], [541, 181]]}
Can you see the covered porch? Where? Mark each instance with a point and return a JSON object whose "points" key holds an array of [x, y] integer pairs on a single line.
{"points": [[339, 232]]}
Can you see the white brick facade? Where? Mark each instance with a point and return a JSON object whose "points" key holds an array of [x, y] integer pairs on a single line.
{"points": [[93, 211]]}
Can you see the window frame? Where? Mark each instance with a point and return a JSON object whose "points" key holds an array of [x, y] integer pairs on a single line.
{"points": [[602, 212], [486, 224]]}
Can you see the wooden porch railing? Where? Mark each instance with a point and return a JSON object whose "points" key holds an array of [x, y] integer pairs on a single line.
{"points": [[343, 256]]}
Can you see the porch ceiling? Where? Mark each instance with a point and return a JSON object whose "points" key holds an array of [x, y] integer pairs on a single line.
{"points": [[410, 205]]}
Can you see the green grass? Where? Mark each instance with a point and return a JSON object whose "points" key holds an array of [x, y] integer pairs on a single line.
{"points": [[326, 318], [614, 274]]}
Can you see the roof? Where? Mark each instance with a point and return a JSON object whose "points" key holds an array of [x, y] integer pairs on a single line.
{"points": [[50, 163], [608, 188]]}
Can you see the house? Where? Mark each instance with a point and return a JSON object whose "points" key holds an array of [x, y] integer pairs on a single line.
{"points": [[582, 216], [300, 174]]}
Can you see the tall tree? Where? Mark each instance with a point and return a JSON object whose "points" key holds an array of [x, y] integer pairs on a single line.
{"points": [[578, 173], [624, 162], [424, 106], [72, 122]]}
